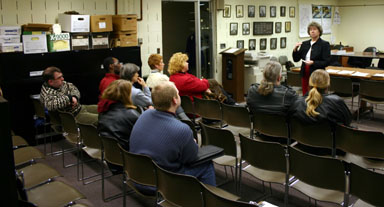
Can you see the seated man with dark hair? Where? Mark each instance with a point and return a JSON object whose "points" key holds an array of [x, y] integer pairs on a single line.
{"points": [[59, 95], [112, 67], [168, 141]]}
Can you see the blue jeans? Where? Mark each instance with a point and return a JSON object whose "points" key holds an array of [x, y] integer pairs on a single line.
{"points": [[204, 172]]}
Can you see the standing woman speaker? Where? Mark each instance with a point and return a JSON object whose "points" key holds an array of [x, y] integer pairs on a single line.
{"points": [[315, 53]]}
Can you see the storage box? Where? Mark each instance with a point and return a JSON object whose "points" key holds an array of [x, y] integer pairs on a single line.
{"points": [[124, 39], [10, 30], [11, 47], [74, 23], [101, 23], [100, 40], [35, 43], [59, 42], [37, 28], [9, 38], [80, 41], [127, 22]]}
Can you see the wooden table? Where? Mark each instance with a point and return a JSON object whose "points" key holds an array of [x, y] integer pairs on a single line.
{"points": [[359, 54]]}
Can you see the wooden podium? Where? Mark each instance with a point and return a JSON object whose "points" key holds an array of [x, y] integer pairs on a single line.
{"points": [[233, 72]]}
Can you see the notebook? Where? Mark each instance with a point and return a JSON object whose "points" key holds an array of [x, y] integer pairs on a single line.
{"points": [[207, 153]]}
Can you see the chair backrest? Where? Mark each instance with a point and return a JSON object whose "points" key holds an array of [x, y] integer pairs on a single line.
{"points": [[192, 126], [322, 172], [293, 79], [283, 59], [39, 108], [55, 121], [178, 189], [89, 135], [372, 88], [360, 142], [111, 150], [341, 85], [219, 137], [132, 162], [209, 109], [236, 115], [273, 125], [264, 155], [381, 63], [187, 104], [212, 199], [315, 135], [367, 185], [68, 122], [361, 62]]}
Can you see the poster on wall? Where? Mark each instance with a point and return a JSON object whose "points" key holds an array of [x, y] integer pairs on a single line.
{"points": [[319, 14]]}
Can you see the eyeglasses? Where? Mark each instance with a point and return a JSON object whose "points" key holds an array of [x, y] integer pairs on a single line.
{"points": [[58, 77]]}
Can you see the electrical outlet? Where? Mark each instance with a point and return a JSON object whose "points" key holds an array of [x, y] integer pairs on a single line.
{"points": [[140, 41], [158, 50]]}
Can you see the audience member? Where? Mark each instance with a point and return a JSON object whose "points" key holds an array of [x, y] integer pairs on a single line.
{"points": [[169, 142], [155, 62], [186, 83], [118, 119], [315, 53], [59, 95], [269, 96], [318, 106], [112, 67], [140, 98], [218, 93]]}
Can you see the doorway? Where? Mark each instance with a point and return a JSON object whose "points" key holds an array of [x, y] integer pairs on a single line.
{"points": [[179, 31]]}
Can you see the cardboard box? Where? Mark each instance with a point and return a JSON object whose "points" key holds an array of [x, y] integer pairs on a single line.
{"points": [[59, 42], [35, 43], [127, 22], [9, 38], [10, 30], [11, 47], [124, 39], [100, 40], [33, 28], [80, 41], [74, 23], [101, 23]]}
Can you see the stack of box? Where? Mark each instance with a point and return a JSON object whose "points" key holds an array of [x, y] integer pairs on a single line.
{"points": [[10, 39], [35, 37], [101, 25], [78, 26], [125, 30]]}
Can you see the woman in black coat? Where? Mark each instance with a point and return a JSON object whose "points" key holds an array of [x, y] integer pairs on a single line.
{"points": [[315, 53]]}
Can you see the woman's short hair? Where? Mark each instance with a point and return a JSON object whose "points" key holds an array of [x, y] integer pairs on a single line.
{"points": [[319, 83], [120, 91], [128, 71], [154, 60], [176, 63], [49, 73], [317, 25], [163, 95], [272, 72]]}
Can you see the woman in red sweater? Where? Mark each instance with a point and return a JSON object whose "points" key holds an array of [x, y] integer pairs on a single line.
{"points": [[186, 83]]}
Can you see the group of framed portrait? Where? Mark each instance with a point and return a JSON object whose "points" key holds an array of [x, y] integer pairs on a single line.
{"points": [[246, 28], [263, 43], [262, 11]]}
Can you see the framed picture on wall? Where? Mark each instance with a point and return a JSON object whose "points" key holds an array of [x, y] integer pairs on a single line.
{"points": [[272, 11], [227, 11], [282, 11], [277, 27], [273, 43], [240, 43], [263, 44], [239, 11], [233, 28], [287, 26], [283, 42], [252, 44], [246, 28], [291, 11], [251, 11], [262, 11]]}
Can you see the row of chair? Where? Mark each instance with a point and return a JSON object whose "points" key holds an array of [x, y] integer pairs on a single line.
{"points": [[276, 163], [36, 181]]}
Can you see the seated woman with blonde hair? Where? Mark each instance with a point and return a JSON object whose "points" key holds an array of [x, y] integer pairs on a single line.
{"points": [[187, 84], [319, 105]]}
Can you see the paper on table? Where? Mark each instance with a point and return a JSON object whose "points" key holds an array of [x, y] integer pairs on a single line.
{"points": [[332, 71], [379, 75], [345, 72], [232, 50], [360, 74]]}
